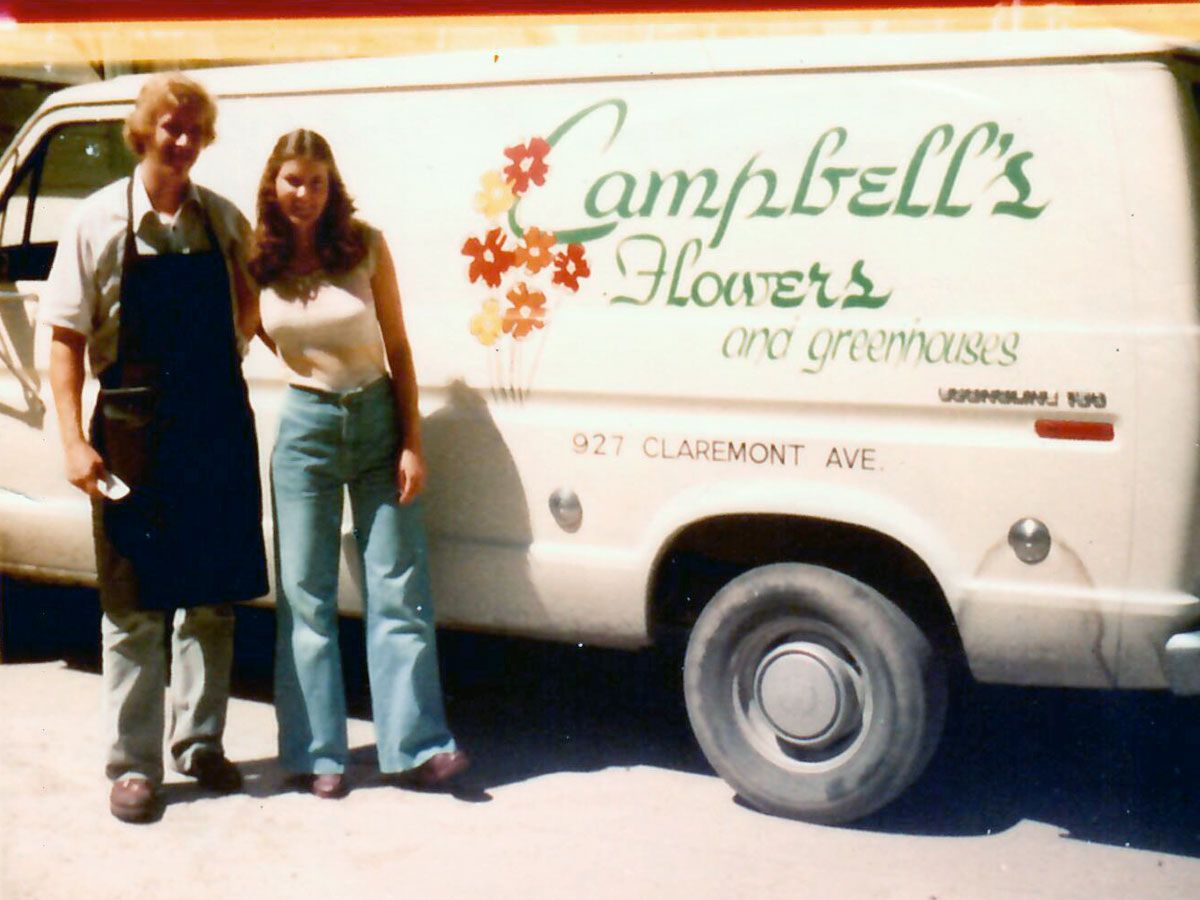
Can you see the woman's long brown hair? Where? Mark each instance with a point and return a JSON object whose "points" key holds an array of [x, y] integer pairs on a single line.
{"points": [[341, 239]]}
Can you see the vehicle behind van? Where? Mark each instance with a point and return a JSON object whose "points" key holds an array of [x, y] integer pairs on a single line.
{"points": [[852, 359]]}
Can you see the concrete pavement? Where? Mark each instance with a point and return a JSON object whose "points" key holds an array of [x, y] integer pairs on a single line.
{"points": [[631, 831]]}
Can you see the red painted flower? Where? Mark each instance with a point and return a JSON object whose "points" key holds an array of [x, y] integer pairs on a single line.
{"points": [[528, 164], [526, 313], [489, 260], [535, 253], [570, 267]]}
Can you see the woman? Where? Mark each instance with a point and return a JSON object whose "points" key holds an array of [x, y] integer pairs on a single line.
{"points": [[331, 311]]}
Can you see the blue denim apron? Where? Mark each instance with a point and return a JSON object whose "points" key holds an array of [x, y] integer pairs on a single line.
{"points": [[174, 414]]}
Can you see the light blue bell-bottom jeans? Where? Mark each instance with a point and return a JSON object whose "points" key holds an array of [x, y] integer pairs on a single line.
{"points": [[329, 443]]}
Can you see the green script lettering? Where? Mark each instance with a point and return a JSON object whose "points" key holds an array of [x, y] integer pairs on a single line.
{"points": [[656, 273], [622, 205], [865, 299], [683, 184], [904, 204], [866, 186], [743, 178], [674, 299], [818, 276], [787, 291], [799, 205], [588, 232], [944, 208], [1014, 174]]}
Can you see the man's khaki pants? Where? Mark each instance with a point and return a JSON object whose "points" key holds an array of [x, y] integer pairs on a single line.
{"points": [[134, 660]]}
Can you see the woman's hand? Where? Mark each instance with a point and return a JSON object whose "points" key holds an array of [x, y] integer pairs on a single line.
{"points": [[410, 475]]}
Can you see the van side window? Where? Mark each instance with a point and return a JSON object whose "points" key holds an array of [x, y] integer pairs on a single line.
{"points": [[70, 163]]}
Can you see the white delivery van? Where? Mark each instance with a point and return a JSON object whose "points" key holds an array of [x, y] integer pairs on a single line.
{"points": [[852, 358]]}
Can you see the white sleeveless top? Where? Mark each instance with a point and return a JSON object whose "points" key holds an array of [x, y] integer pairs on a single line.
{"points": [[324, 326]]}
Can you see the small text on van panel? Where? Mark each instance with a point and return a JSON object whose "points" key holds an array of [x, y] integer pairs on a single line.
{"points": [[726, 450]]}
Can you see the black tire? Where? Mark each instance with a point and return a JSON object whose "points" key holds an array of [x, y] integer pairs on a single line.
{"points": [[811, 694]]}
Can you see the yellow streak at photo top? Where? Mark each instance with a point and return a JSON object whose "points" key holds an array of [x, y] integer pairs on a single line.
{"points": [[276, 40]]}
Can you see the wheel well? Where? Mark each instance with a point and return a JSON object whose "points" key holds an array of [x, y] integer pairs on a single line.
{"points": [[707, 554]]}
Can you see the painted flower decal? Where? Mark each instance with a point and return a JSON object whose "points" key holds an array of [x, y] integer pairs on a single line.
{"points": [[496, 196], [570, 267], [489, 260], [527, 311], [529, 278], [535, 253], [487, 325], [528, 164]]}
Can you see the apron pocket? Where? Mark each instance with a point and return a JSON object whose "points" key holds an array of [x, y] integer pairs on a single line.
{"points": [[127, 432]]}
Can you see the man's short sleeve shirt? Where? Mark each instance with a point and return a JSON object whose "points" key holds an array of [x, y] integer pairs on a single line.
{"points": [[83, 290]]}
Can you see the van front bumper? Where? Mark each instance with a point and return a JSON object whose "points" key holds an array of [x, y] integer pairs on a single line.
{"points": [[1183, 662]]}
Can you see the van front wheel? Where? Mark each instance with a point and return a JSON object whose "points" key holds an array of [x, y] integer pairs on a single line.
{"points": [[811, 693]]}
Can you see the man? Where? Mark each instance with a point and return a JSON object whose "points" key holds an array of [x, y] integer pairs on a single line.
{"points": [[148, 281]]}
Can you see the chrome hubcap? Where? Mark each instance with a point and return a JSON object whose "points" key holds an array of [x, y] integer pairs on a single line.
{"points": [[808, 694]]}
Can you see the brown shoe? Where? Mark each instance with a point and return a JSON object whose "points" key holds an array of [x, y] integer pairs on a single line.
{"points": [[329, 787], [215, 772], [132, 800], [438, 769]]}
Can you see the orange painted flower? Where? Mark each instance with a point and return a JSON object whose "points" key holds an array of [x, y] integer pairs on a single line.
{"points": [[528, 164], [487, 325], [489, 259], [535, 253], [570, 267], [496, 196], [526, 313]]}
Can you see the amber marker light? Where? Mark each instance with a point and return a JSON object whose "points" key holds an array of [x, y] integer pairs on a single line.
{"points": [[1073, 430]]}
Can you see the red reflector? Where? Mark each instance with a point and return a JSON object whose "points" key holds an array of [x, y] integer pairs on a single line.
{"points": [[1073, 430]]}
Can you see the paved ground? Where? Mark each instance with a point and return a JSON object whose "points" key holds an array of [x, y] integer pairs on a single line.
{"points": [[588, 785]]}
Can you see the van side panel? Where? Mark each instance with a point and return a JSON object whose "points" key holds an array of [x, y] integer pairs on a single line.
{"points": [[1157, 116], [838, 281]]}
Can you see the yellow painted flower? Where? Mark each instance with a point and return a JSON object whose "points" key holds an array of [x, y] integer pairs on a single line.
{"points": [[496, 197], [486, 326]]}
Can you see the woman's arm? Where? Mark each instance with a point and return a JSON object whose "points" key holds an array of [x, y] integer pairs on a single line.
{"points": [[246, 293], [265, 338], [410, 467]]}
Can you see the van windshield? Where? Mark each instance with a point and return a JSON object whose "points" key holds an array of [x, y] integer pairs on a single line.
{"points": [[21, 98]]}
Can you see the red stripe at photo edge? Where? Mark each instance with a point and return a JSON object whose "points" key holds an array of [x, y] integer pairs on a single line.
{"points": [[1074, 430], [49, 11]]}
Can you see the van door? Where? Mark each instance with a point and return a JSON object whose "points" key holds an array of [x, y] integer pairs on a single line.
{"points": [[56, 166]]}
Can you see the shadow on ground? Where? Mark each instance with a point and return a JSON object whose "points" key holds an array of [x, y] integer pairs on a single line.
{"points": [[1114, 767], [1117, 768]]}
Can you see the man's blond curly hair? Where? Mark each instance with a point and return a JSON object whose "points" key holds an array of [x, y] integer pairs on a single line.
{"points": [[164, 92]]}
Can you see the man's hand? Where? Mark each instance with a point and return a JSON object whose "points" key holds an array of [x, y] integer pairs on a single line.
{"points": [[84, 467], [83, 464]]}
